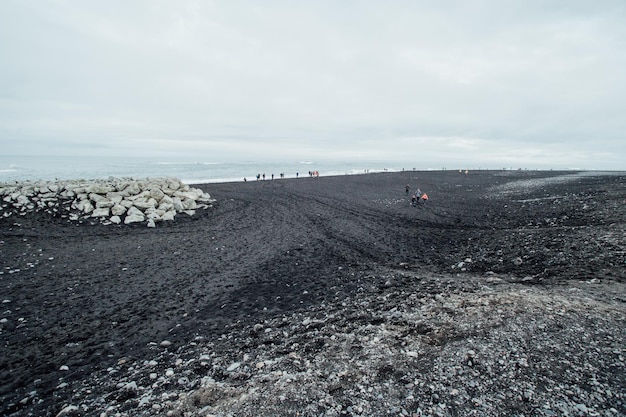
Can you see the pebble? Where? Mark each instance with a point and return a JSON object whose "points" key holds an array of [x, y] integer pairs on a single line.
{"points": [[233, 366], [66, 410]]}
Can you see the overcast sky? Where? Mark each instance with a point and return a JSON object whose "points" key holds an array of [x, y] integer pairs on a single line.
{"points": [[493, 83]]}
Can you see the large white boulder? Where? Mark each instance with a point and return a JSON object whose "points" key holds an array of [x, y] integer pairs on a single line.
{"points": [[156, 193], [100, 212], [127, 203], [105, 203], [145, 203], [87, 207], [190, 204], [132, 188], [178, 204], [97, 197], [118, 210], [134, 215], [169, 215]]}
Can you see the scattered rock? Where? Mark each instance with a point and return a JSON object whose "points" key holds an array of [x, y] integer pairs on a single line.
{"points": [[67, 410]]}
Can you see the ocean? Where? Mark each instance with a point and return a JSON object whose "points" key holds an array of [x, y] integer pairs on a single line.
{"points": [[34, 168]]}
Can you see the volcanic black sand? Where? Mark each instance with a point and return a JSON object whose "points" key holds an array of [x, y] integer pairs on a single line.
{"points": [[78, 298]]}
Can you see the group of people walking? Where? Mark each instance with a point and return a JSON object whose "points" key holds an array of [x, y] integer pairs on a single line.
{"points": [[260, 177], [418, 197]]}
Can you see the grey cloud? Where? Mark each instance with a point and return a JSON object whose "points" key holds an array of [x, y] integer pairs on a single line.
{"points": [[514, 79]]}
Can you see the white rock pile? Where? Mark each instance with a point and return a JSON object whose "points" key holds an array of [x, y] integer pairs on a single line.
{"points": [[111, 201]]}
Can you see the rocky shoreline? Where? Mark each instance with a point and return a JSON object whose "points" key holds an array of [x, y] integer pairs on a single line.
{"points": [[504, 296], [111, 201], [407, 346]]}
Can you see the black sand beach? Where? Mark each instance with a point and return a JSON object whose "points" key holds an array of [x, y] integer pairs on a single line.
{"points": [[504, 294]]}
